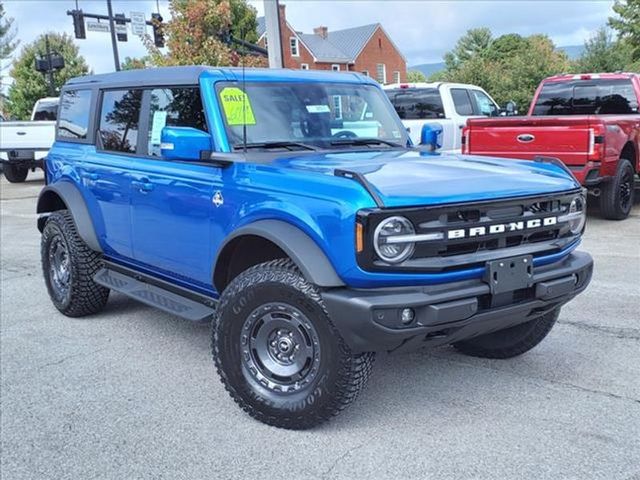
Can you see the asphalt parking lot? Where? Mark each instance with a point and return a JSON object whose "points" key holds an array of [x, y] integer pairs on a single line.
{"points": [[132, 392]]}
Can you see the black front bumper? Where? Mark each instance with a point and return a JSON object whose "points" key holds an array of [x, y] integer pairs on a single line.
{"points": [[370, 320]]}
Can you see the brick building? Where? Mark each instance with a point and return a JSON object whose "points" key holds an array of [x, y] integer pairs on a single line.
{"points": [[367, 49]]}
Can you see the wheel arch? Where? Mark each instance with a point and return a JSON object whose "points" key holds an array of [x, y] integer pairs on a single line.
{"points": [[266, 240], [630, 153], [65, 195]]}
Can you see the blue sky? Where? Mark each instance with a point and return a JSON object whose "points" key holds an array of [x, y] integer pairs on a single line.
{"points": [[423, 30]]}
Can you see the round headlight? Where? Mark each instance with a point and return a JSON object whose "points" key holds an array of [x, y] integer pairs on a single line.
{"points": [[577, 215], [388, 239]]}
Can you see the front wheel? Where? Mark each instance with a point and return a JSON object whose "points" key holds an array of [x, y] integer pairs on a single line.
{"points": [[15, 173], [277, 352], [512, 341]]}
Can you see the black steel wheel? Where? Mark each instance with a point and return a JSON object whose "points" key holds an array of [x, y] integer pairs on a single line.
{"points": [[68, 266], [280, 347], [278, 353], [616, 199]]}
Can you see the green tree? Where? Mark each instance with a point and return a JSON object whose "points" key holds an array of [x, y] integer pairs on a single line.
{"points": [[131, 63], [627, 24], [7, 46], [604, 54], [473, 43], [197, 33], [414, 76], [7, 35], [508, 67], [29, 85]]}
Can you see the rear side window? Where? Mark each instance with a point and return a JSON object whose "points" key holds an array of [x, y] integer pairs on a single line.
{"points": [[46, 111], [587, 97], [418, 103], [461, 101], [75, 106], [174, 107], [119, 120]]}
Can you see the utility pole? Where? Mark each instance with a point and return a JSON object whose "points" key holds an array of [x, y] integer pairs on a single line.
{"points": [[272, 24], [52, 87], [114, 43], [47, 64]]}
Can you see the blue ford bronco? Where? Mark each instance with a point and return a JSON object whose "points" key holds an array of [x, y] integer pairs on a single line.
{"points": [[292, 209]]}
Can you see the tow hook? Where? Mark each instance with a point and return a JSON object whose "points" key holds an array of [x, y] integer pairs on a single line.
{"points": [[594, 191]]}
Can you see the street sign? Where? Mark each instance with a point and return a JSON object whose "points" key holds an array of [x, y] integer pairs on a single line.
{"points": [[138, 23], [97, 26], [103, 27]]}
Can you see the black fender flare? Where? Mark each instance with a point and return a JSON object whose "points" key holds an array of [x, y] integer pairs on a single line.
{"points": [[75, 203], [299, 247]]}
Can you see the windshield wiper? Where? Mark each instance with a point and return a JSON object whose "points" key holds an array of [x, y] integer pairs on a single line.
{"points": [[282, 144], [365, 141]]}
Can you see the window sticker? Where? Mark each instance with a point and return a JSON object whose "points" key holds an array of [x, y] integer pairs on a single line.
{"points": [[318, 109], [158, 123], [237, 107]]}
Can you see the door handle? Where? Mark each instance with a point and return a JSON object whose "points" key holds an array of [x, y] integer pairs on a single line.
{"points": [[143, 185], [90, 176]]}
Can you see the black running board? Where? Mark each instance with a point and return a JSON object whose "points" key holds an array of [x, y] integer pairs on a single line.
{"points": [[153, 295]]}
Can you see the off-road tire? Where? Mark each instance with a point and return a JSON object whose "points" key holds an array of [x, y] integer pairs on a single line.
{"points": [[341, 374], [512, 341], [613, 203], [14, 173], [83, 296]]}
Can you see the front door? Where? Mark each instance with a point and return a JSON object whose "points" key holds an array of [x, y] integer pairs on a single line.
{"points": [[172, 206]]}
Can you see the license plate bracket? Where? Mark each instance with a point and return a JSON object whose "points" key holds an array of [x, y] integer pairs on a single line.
{"points": [[509, 274]]}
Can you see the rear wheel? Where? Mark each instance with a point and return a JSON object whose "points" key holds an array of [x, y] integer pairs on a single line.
{"points": [[616, 199], [512, 341], [15, 173], [277, 352], [68, 266]]}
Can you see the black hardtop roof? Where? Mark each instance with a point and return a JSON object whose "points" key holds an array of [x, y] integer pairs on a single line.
{"points": [[146, 76]]}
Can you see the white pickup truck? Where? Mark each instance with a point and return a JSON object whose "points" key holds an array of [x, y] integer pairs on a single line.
{"points": [[449, 104], [23, 145]]}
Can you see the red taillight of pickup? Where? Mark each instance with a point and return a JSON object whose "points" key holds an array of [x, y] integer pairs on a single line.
{"points": [[596, 142], [465, 141]]}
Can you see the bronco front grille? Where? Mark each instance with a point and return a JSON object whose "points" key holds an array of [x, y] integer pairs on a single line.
{"points": [[474, 233]]}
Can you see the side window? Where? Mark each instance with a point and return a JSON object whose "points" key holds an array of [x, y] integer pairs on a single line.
{"points": [[618, 98], [462, 102], [484, 104], [174, 107], [75, 106], [119, 119], [414, 104]]}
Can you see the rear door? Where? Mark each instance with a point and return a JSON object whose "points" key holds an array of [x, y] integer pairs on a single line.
{"points": [[105, 173], [171, 201]]}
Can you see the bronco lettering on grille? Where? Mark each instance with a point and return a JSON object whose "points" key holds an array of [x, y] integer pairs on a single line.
{"points": [[502, 228]]}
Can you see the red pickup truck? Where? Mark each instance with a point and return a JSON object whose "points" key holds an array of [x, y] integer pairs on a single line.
{"points": [[591, 122]]}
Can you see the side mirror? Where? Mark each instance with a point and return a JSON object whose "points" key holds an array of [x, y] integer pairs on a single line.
{"points": [[185, 143], [431, 136], [511, 108]]}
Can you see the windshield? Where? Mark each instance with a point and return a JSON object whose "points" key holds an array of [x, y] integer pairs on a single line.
{"points": [[310, 115]]}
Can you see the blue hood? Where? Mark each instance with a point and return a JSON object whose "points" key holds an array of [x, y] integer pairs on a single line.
{"points": [[412, 178]]}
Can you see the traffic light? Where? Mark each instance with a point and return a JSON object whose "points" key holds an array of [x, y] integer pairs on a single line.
{"points": [[119, 19], [78, 24], [158, 34]]}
